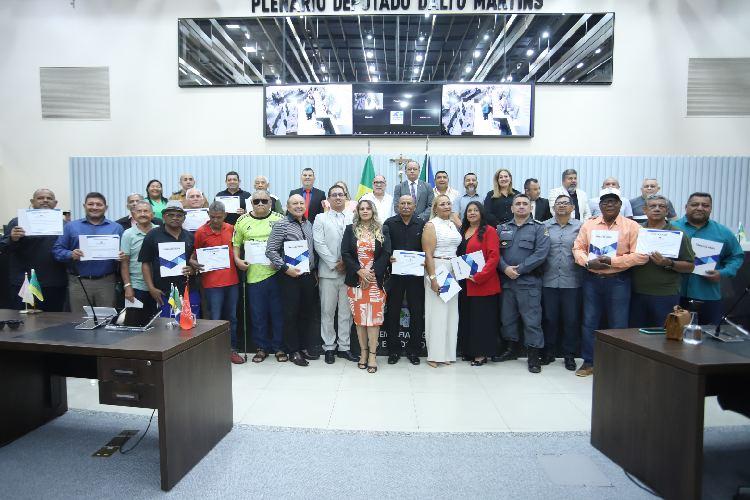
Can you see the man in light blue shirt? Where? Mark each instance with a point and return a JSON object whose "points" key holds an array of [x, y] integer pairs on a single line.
{"points": [[707, 288], [470, 185], [130, 268]]}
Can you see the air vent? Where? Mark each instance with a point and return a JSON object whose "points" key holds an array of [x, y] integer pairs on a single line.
{"points": [[75, 93], [718, 87]]}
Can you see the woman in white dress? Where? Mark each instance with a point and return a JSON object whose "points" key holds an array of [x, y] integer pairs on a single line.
{"points": [[440, 238]]}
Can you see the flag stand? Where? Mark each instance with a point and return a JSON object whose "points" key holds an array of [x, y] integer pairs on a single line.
{"points": [[27, 294], [30, 311]]}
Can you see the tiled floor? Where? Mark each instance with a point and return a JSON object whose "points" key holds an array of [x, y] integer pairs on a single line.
{"points": [[496, 397]]}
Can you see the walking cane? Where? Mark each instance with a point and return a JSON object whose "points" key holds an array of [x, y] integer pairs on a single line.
{"points": [[243, 279]]}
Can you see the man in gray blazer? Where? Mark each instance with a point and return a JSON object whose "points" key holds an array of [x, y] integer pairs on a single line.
{"points": [[419, 190], [328, 231]]}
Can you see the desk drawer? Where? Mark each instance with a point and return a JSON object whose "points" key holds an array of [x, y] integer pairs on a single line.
{"points": [[137, 371], [123, 394]]}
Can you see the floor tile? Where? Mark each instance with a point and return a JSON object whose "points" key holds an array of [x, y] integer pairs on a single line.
{"points": [[373, 411], [291, 408], [714, 416], [540, 412], [468, 412]]}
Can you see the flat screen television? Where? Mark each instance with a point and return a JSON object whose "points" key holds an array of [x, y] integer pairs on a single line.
{"points": [[396, 109], [308, 110], [478, 109]]}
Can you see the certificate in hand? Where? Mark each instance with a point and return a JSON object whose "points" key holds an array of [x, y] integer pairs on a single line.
{"points": [[231, 203], [408, 263], [666, 242], [40, 222], [449, 287], [172, 258], [465, 266], [213, 258], [297, 254], [255, 253], [99, 246], [707, 254], [195, 218], [603, 243]]}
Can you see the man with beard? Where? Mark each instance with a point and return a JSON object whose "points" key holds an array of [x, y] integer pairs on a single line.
{"points": [[470, 194], [579, 199]]}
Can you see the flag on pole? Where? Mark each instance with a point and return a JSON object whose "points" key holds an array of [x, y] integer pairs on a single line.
{"points": [[174, 300], [25, 292], [187, 320], [368, 174], [426, 174], [35, 287]]}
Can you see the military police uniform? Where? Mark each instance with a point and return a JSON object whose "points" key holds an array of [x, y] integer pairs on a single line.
{"points": [[525, 246]]}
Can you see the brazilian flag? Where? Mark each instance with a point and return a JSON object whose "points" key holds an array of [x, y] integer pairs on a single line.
{"points": [[368, 174]]}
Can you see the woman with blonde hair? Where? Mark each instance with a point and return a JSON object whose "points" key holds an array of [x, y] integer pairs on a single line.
{"points": [[440, 239], [498, 201], [366, 250]]}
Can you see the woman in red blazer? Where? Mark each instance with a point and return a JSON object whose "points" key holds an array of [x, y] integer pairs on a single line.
{"points": [[479, 304]]}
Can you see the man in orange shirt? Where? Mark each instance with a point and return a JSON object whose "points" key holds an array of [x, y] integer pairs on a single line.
{"points": [[605, 247]]}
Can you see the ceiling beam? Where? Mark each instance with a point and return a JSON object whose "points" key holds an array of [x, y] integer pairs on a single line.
{"points": [[282, 57]]}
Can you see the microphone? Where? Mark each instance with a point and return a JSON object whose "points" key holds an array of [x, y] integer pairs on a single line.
{"points": [[86, 325]]}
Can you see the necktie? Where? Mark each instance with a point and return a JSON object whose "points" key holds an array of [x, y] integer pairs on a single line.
{"points": [[413, 193], [307, 203]]}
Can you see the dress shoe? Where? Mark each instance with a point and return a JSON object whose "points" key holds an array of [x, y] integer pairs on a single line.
{"points": [[393, 359], [347, 355], [585, 370], [535, 365], [509, 354], [237, 359], [570, 363], [413, 359], [298, 359], [307, 355], [330, 357], [546, 359]]}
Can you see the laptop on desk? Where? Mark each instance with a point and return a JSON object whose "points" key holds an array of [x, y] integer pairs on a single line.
{"points": [[133, 320]]}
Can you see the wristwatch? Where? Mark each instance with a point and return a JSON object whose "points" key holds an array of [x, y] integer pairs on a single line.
{"points": [[431, 277], [669, 266]]}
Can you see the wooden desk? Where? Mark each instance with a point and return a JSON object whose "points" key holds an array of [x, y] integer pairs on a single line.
{"points": [[185, 375], [648, 402]]}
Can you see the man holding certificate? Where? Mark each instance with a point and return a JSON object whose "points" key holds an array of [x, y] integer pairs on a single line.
{"points": [[90, 247], [606, 248], [29, 243], [290, 249], [214, 259], [251, 233], [717, 254], [233, 198], [656, 284]]}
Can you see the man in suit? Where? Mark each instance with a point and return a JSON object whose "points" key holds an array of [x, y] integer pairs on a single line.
{"points": [[129, 220], [539, 206], [328, 231], [419, 190], [313, 196], [581, 210]]}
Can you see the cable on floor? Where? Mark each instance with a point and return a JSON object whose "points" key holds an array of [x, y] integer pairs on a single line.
{"points": [[125, 452]]}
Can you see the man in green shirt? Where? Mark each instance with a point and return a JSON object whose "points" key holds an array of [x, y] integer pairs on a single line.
{"points": [[656, 284], [130, 243], [251, 232]]}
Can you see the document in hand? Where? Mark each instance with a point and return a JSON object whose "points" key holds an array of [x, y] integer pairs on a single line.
{"points": [[408, 263], [706, 255], [465, 266], [255, 253], [231, 203], [195, 218], [603, 243], [213, 258], [99, 246], [666, 242], [297, 254], [449, 287], [172, 258], [40, 222]]}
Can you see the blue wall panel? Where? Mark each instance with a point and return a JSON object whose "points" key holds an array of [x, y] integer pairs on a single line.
{"points": [[727, 178]]}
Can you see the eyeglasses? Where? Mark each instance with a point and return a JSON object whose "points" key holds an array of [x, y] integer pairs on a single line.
{"points": [[13, 324], [562, 204], [378, 182], [261, 201]]}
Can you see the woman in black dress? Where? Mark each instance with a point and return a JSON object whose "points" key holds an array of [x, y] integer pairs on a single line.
{"points": [[498, 201]]}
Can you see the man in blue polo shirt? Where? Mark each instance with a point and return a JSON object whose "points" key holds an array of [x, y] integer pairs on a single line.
{"points": [[707, 288], [98, 276]]}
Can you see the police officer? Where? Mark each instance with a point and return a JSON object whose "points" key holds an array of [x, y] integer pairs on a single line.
{"points": [[524, 245]]}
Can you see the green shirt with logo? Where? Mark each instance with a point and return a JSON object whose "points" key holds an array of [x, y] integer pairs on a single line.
{"points": [[249, 228]]}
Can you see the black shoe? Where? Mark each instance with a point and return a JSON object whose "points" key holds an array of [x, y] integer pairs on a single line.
{"points": [[393, 359], [413, 359], [307, 355], [508, 355], [347, 355], [299, 359], [535, 365], [570, 363], [466, 358], [546, 359], [330, 357]]}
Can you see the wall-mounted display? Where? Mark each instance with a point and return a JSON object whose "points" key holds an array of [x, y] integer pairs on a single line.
{"points": [[308, 110], [487, 110], [396, 109]]}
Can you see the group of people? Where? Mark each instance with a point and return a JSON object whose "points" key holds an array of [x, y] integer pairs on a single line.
{"points": [[545, 280]]}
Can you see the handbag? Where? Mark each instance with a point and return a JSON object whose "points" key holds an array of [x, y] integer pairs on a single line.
{"points": [[675, 322]]}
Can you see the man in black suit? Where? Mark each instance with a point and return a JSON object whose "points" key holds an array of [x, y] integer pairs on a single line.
{"points": [[127, 221], [420, 191], [313, 196], [539, 206]]}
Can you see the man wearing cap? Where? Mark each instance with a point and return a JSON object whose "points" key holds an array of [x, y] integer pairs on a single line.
{"points": [[170, 233], [606, 285]]}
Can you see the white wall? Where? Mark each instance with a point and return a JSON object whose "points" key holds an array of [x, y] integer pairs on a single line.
{"points": [[642, 113]]}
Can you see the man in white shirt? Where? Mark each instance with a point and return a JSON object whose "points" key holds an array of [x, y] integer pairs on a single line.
{"points": [[328, 231], [577, 197], [612, 183], [382, 200]]}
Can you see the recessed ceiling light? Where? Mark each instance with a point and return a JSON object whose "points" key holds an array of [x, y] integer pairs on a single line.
{"points": [[415, 71], [247, 36], [278, 81], [545, 34], [530, 52], [404, 104], [477, 53], [579, 65], [509, 78], [427, 14], [233, 26], [598, 51], [467, 68], [250, 48], [374, 79], [486, 36], [370, 54], [421, 38], [407, 96], [419, 57], [372, 68], [562, 79], [369, 36], [323, 68]]}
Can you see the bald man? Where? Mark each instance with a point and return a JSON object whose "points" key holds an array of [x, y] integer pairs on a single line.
{"points": [[187, 181], [611, 183]]}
